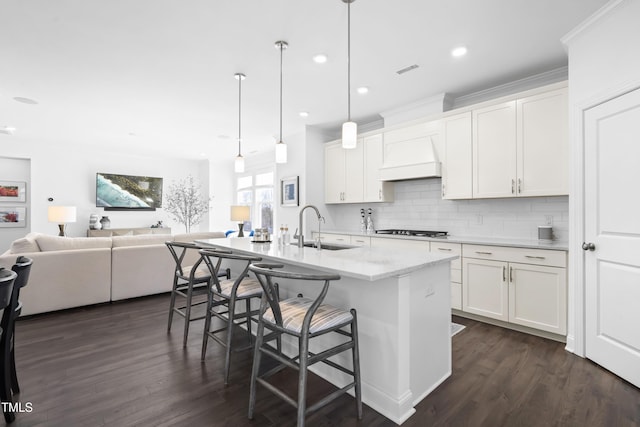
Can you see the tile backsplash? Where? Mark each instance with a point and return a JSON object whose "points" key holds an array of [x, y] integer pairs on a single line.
{"points": [[418, 205]]}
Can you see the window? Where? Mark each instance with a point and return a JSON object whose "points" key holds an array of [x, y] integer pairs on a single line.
{"points": [[257, 191]]}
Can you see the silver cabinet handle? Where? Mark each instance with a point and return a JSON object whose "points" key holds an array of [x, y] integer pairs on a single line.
{"points": [[483, 253], [443, 190], [513, 186], [504, 274], [444, 249], [534, 257], [588, 246], [519, 186], [359, 241], [380, 194], [511, 274]]}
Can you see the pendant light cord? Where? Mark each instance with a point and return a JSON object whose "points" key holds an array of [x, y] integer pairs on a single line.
{"points": [[281, 49], [349, 61], [239, 115]]}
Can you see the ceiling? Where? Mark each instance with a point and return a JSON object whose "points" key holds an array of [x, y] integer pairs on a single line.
{"points": [[157, 76]]}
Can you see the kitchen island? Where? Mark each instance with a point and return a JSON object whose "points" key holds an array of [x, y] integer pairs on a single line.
{"points": [[403, 303]]}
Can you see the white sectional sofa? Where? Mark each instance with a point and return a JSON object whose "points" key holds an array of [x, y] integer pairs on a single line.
{"points": [[76, 271]]}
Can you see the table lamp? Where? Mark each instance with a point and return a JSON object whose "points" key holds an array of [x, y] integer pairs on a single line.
{"points": [[240, 214], [62, 215]]}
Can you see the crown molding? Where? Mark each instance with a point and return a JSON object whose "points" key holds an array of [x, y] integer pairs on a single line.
{"points": [[588, 23]]}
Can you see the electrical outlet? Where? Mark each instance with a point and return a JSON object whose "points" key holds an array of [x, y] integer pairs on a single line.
{"points": [[548, 219]]}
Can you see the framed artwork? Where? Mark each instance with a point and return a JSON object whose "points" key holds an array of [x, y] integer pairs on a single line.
{"points": [[12, 216], [13, 191], [289, 191]]}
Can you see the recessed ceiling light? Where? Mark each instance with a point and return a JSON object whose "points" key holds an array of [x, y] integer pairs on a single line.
{"points": [[25, 100], [320, 58], [7, 130], [362, 90], [459, 51], [304, 114], [222, 136]]}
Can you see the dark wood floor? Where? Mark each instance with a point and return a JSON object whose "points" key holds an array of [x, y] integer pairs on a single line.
{"points": [[115, 365]]}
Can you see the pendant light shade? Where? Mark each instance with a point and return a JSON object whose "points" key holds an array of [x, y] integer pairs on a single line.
{"points": [[349, 128], [349, 135], [239, 163], [281, 147]]}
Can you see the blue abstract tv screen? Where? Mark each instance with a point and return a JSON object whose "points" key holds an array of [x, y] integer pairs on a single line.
{"points": [[128, 191]]}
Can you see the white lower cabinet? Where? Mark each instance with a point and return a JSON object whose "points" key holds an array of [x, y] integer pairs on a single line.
{"points": [[343, 239], [526, 287], [390, 243]]}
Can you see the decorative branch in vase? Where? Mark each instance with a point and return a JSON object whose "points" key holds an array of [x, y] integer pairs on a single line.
{"points": [[186, 203]]}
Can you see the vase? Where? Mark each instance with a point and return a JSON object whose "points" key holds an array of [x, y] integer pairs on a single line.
{"points": [[94, 222], [105, 222]]}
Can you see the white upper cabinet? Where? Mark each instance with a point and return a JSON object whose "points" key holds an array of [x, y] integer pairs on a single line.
{"points": [[521, 147], [354, 174], [334, 173], [494, 151], [374, 189], [543, 144], [457, 158]]}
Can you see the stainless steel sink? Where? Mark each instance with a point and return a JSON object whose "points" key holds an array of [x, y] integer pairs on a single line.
{"points": [[327, 246]]}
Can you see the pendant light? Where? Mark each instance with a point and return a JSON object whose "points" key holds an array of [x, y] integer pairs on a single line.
{"points": [[349, 128], [239, 163], [281, 147]]}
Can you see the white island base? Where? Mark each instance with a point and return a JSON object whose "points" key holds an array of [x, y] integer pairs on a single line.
{"points": [[402, 301]]}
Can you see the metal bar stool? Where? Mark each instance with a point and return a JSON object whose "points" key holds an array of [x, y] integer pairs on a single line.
{"points": [[226, 294], [7, 279], [22, 268], [304, 319], [188, 281]]}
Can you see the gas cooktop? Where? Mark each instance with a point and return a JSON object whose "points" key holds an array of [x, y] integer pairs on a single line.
{"points": [[421, 233]]}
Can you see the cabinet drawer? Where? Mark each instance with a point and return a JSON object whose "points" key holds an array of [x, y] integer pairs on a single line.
{"points": [[344, 239], [361, 241], [381, 242], [449, 249], [521, 255]]}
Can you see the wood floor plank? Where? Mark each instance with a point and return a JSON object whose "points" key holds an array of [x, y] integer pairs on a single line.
{"points": [[116, 365]]}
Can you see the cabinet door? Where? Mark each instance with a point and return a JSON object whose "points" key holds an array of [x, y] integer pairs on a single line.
{"points": [[457, 162], [538, 297], [543, 144], [334, 173], [484, 288], [494, 151], [354, 174], [374, 189], [361, 241]]}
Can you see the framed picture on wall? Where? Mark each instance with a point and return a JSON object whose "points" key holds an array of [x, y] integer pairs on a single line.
{"points": [[13, 191], [12, 216], [289, 191]]}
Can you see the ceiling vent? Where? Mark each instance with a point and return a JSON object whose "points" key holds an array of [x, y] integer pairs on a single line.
{"points": [[407, 69]]}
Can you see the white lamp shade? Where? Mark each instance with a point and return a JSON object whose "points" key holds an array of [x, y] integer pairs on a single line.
{"points": [[281, 152], [62, 214], [349, 135], [240, 213], [239, 164]]}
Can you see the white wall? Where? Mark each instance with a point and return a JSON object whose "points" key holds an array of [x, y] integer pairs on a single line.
{"points": [[68, 176], [419, 205]]}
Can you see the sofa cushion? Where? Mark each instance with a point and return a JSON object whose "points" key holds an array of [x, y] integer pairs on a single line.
{"points": [[56, 243], [190, 237], [140, 240], [24, 245]]}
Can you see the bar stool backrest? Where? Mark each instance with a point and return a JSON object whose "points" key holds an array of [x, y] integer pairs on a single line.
{"points": [[265, 273], [179, 251], [7, 278], [213, 259]]}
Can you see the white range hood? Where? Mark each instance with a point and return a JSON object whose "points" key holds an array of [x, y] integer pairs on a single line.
{"points": [[410, 159]]}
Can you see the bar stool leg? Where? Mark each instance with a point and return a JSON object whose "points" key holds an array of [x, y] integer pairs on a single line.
{"points": [[248, 317], [173, 303], [227, 362], [257, 354], [12, 363], [187, 316], [355, 352], [207, 325], [303, 345]]}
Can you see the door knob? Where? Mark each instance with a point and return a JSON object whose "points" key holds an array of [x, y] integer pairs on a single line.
{"points": [[588, 246]]}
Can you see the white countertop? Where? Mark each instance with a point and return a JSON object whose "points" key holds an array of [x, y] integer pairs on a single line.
{"points": [[360, 262], [557, 245]]}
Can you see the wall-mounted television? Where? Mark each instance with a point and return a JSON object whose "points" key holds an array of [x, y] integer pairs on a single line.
{"points": [[118, 192]]}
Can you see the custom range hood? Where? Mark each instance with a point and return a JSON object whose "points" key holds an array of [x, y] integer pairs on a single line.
{"points": [[410, 159]]}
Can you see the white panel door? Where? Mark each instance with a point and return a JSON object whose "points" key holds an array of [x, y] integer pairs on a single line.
{"points": [[484, 288], [612, 226], [494, 151]]}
